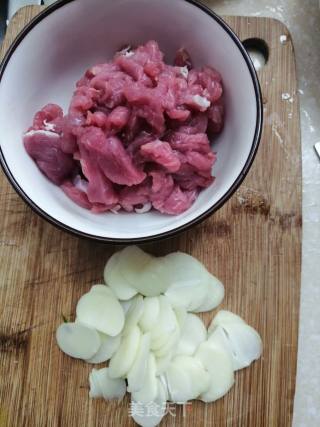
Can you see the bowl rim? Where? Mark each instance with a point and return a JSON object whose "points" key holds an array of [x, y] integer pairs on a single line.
{"points": [[236, 184]]}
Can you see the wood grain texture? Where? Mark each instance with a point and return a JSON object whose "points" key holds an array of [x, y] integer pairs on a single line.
{"points": [[253, 244]]}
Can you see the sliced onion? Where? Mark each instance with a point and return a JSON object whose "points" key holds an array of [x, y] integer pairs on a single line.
{"points": [[102, 385], [132, 261], [217, 361], [158, 341], [163, 380], [188, 281], [219, 338], [223, 317], [126, 305], [144, 209], [186, 378], [193, 333], [146, 418], [114, 278], [241, 340], [169, 345], [77, 340], [214, 297], [163, 362], [104, 289], [165, 325], [138, 370], [122, 361], [150, 314], [149, 386], [95, 388], [143, 272], [109, 345], [101, 312], [181, 315], [134, 313]]}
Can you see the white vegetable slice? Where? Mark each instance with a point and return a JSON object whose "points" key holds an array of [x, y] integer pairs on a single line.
{"points": [[241, 340], [144, 209], [114, 278], [153, 278], [157, 342], [150, 314], [181, 315], [134, 313], [143, 272], [126, 305], [151, 413], [162, 378], [217, 361], [223, 317], [77, 340], [102, 385], [169, 345], [108, 347], [104, 289], [193, 333], [214, 296], [163, 362], [102, 312], [186, 378], [166, 324], [188, 281], [95, 391], [122, 361], [167, 321], [138, 370], [148, 391], [219, 337], [132, 261]]}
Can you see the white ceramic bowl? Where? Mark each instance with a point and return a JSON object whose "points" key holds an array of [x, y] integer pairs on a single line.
{"points": [[55, 49]]}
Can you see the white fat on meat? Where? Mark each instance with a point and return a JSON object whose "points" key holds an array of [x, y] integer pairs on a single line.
{"points": [[49, 126], [202, 101], [184, 71], [42, 132]]}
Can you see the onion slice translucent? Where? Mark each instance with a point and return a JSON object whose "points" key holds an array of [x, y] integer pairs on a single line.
{"points": [[102, 312], [122, 361], [217, 361], [102, 385], [114, 278], [77, 340], [193, 333]]}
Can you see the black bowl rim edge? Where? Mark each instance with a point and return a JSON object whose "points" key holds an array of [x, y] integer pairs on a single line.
{"points": [[254, 148]]}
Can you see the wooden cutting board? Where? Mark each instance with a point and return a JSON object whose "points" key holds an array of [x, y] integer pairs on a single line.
{"points": [[253, 244]]}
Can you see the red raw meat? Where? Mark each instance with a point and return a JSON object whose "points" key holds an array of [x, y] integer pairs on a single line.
{"points": [[111, 157], [184, 142], [77, 195], [134, 196], [135, 134], [216, 118], [178, 202], [45, 149], [160, 152], [50, 113]]}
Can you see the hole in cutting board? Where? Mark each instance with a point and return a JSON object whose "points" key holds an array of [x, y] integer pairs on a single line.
{"points": [[258, 51]]}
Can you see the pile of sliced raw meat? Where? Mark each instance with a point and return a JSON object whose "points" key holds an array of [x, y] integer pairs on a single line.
{"points": [[135, 136]]}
